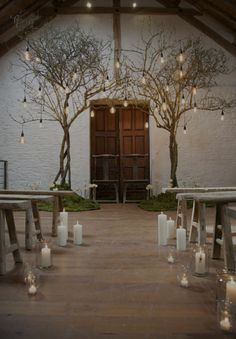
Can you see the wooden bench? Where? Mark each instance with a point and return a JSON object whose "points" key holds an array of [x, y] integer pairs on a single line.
{"points": [[222, 227], [57, 201], [6, 214]]}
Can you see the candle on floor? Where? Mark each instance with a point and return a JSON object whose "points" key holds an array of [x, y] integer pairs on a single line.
{"points": [[170, 229], [64, 219], [181, 239], [162, 229], [32, 289], [46, 256], [231, 291], [170, 259], [225, 324], [184, 281], [200, 262], [62, 235], [78, 231]]}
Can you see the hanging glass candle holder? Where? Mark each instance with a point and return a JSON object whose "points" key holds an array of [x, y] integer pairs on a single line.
{"points": [[200, 260], [31, 279], [171, 255], [183, 276], [226, 317], [44, 254]]}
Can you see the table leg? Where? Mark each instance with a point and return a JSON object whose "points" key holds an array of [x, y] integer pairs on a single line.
{"points": [[29, 223], [227, 236], [2, 243], [55, 215], [12, 236], [202, 224], [194, 225], [217, 233], [37, 220]]}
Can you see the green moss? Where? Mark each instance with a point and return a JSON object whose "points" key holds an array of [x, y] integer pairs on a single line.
{"points": [[73, 204], [163, 202]]}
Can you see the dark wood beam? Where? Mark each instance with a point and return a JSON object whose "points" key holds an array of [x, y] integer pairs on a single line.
{"points": [[230, 47], [123, 10], [226, 7]]}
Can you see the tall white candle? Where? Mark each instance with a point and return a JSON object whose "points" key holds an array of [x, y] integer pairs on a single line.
{"points": [[231, 291], [62, 235], [170, 229], [162, 229], [225, 324], [46, 256], [181, 239], [64, 219], [77, 230], [200, 262]]}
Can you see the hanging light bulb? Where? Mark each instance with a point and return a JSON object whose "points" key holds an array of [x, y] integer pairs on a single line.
{"points": [[181, 72], [181, 57], [24, 102], [37, 59], [27, 54], [112, 110], [167, 88], [134, 4], [162, 58], [222, 118], [41, 122], [194, 90], [195, 107], [185, 129], [67, 109], [40, 91], [22, 136], [104, 88], [75, 75], [143, 79], [92, 114], [67, 90], [146, 124], [125, 103], [117, 64], [89, 4], [156, 110], [107, 79], [164, 107], [183, 100]]}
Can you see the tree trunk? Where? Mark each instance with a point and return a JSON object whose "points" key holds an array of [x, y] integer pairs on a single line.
{"points": [[64, 173], [173, 148]]}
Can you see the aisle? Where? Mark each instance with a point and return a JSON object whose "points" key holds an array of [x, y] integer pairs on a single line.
{"points": [[117, 285]]}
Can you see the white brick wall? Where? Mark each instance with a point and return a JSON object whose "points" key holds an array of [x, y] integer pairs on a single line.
{"points": [[206, 153]]}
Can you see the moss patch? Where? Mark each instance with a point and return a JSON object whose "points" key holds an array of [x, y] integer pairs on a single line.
{"points": [[163, 202]]}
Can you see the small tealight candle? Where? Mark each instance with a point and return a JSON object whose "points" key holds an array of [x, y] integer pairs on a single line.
{"points": [[170, 259], [184, 281], [225, 324], [32, 289]]}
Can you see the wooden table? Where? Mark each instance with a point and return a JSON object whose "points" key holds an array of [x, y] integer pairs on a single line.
{"points": [[57, 202], [222, 227], [6, 213]]}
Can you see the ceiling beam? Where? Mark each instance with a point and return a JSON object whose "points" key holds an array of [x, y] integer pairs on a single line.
{"points": [[123, 10]]}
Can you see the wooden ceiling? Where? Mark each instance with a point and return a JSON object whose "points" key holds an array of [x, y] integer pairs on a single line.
{"points": [[200, 13]]}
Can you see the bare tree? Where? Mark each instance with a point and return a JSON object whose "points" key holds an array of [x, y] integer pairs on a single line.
{"points": [[61, 71], [175, 78]]}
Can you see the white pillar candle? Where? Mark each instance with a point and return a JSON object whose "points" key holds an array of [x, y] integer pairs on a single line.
{"points": [[231, 291], [181, 239], [162, 229], [32, 289], [64, 219], [62, 235], [225, 324], [46, 256], [77, 230], [170, 229], [184, 281], [200, 262]]}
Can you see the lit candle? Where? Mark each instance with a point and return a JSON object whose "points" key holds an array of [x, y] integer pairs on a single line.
{"points": [[184, 281], [162, 229], [62, 235], [77, 233], [32, 289], [231, 291], [170, 229], [170, 259], [181, 239], [225, 324], [64, 219], [46, 256], [200, 262]]}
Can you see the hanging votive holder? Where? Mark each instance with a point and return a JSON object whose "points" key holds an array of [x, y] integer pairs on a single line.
{"points": [[183, 276], [171, 255], [200, 260], [226, 317], [44, 254], [32, 281]]}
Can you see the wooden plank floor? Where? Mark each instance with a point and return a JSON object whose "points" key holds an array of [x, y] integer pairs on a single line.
{"points": [[116, 285]]}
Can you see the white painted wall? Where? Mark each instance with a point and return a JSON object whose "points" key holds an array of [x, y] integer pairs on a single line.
{"points": [[206, 153]]}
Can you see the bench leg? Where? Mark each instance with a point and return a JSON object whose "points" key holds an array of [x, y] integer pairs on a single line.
{"points": [[12, 235], [37, 221], [2, 244], [29, 224], [217, 233], [124, 193], [202, 224], [55, 216], [194, 225]]}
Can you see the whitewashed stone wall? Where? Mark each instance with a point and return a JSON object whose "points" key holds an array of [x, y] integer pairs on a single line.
{"points": [[207, 154]]}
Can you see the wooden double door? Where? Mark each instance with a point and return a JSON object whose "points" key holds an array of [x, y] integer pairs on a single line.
{"points": [[120, 153]]}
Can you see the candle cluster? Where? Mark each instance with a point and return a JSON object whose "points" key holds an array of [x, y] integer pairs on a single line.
{"points": [[63, 230]]}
